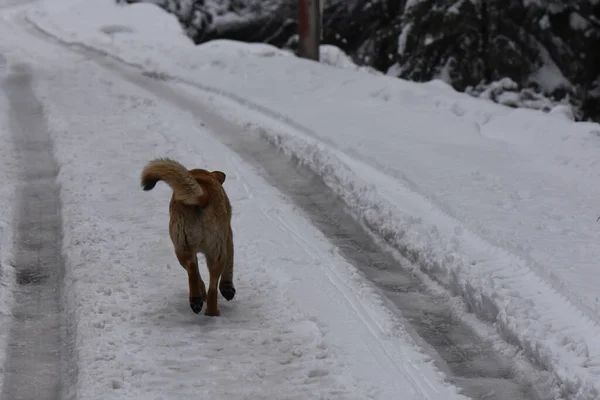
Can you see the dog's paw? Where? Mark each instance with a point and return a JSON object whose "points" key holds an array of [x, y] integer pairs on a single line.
{"points": [[227, 290], [196, 304]]}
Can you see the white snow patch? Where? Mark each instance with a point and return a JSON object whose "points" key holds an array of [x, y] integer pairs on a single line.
{"points": [[403, 37], [333, 55], [411, 3], [563, 111], [545, 22], [507, 92], [549, 76], [441, 84], [455, 8], [577, 22], [227, 47], [444, 73], [394, 70]]}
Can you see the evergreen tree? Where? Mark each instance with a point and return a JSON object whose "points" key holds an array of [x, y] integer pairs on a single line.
{"points": [[548, 44], [464, 42], [365, 29]]}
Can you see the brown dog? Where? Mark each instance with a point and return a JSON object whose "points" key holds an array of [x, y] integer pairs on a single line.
{"points": [[200, 222]]}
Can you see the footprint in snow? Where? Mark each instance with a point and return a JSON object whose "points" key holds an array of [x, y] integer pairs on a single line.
{"points": [[524, 194], [317, 373]]}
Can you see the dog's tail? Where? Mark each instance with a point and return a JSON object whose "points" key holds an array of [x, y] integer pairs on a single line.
{"points": [[185, 188]]}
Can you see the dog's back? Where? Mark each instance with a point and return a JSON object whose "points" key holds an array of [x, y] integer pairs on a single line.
{"points": [[202, 229]]}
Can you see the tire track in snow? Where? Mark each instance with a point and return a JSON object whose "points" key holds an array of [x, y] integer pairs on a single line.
{"points": [[7, 278], [33, 363]]}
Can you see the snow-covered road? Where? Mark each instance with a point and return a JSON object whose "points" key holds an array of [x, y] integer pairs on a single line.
{"points": [[496, 206], [305, 323], [327, 305]]}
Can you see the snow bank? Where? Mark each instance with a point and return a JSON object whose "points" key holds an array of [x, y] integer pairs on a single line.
{"points": [[161, 28], [228, 47], [507, 92], [334, 56], [498, 205]]}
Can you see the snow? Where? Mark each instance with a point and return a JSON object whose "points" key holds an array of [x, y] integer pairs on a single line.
{"points": [[304, 323], [548, 76], [455, 8], [577, 22], [403, 37], [444, 72], [497, 205], [411, 3], [331, 55], [506, 92], [545, 22]]}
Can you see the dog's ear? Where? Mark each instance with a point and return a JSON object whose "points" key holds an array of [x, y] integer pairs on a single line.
{"points": [[219, 175]]}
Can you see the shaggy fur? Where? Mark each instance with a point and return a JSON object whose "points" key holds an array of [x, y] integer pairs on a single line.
{"points": [[200, 222]]}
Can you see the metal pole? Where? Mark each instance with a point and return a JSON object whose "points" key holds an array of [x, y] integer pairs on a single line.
{"points": [[309, 28]]}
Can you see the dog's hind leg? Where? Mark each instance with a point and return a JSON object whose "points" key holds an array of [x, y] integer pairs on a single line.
{"points": [[226, 286], [216, 265], [197, 290]]}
